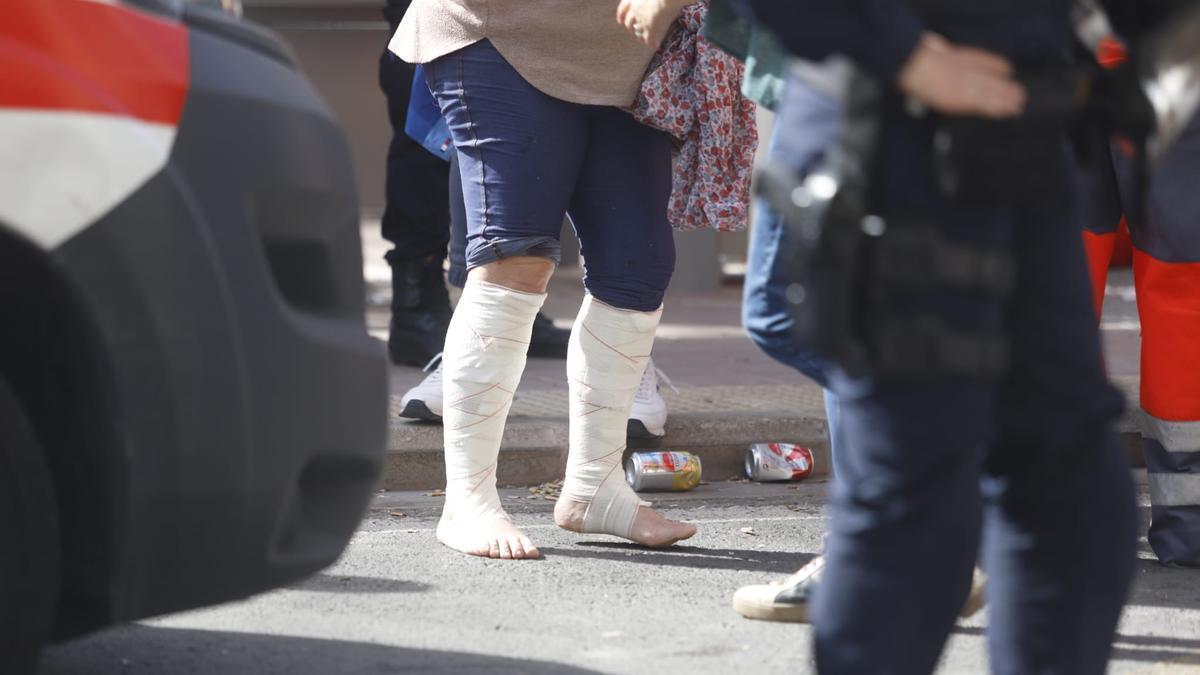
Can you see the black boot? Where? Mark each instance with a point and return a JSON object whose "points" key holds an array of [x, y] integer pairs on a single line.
{"points": [[420, 311], [548, 341]]}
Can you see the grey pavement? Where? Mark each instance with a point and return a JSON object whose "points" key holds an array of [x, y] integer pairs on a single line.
{"points": [[729, 393], [398, 602]]}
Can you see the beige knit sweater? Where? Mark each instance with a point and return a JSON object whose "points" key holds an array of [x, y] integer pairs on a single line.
{"points": [[570, 49]]}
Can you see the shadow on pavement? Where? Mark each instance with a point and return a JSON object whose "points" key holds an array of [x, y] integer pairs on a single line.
{"points": [[147, 650], [1155, 649], [1156, 585], [339, 583], [1165, 651], [782, 562]]}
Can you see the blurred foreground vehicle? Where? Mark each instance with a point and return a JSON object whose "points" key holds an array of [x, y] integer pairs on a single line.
{"points": [[191, 410]]}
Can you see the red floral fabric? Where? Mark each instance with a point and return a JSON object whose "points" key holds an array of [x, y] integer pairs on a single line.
{"points": [[692, 90]]}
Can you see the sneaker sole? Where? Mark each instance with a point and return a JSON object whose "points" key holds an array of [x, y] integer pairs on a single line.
{"points": [[636, 429], [771, 612], [417, 410]]}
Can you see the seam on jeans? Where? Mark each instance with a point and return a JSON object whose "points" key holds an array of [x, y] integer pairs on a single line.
{"points": [[462, 95]]}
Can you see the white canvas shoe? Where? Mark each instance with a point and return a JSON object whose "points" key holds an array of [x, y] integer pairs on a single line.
{"points": [[424, 401], [648, 417]]}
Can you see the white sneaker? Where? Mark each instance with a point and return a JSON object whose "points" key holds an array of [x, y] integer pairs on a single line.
{"points": [[648, 418], [424, 401]]}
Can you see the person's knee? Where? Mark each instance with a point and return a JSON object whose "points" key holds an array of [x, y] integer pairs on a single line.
{"points": [[528, 274], [640, 293], [770, 330], [773, 333], [636, 299], [637, 284]]}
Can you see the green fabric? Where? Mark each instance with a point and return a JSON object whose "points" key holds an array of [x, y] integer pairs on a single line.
{"points": [[765, 58]]}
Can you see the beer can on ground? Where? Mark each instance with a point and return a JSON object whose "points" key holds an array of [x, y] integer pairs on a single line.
{"points": [[662, 471], [778, 461]]}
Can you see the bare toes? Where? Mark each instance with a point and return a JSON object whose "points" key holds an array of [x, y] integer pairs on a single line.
{"points": [[494, 548], [531, 551], [506, 552]]}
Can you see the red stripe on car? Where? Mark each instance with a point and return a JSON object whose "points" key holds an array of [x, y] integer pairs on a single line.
{"points": [[87, 56]]}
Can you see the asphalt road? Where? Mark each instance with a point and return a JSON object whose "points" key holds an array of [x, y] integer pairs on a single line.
{"points": [[398, 603]]}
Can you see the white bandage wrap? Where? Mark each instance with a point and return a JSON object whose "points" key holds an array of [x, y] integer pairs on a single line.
{"points": [[606, 356], [484, 357]]}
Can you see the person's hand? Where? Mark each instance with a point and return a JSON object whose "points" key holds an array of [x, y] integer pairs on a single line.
{"points": [[957, 80], [649, 20]]}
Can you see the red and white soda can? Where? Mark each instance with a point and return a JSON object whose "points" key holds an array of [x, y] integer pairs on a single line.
{"points": [[778, 461]]}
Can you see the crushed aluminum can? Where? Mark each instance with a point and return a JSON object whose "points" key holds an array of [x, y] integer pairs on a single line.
{"points": [[778, 462], [662, 471]]}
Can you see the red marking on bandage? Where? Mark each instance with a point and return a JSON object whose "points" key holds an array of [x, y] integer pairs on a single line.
{"points": [[632, 359], [491, 467], [482, 337], [479, 393], [479, 421], [602, 457], [484, 417]]}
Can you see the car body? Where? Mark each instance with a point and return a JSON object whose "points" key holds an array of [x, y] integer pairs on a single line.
{"points": [[181, 281]]}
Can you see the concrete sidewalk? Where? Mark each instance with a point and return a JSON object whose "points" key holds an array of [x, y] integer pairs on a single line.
{"points": [[729, 396]]}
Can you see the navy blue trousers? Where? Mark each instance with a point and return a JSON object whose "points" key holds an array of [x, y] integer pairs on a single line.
{"points": [[1028, 465], [416, 215]]}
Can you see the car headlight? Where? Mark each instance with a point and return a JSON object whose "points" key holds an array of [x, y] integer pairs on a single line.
{"points": [[233, 7]]}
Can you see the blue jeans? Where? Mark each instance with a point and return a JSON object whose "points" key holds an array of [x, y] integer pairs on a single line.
{"points": [[525, 158], [806, 122]]}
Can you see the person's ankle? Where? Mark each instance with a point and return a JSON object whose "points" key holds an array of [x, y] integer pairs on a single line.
{"points": [[569, 514]]}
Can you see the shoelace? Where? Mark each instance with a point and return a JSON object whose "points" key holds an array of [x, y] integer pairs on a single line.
{"points": [[650, 380], [810, 570], [435, 364]]}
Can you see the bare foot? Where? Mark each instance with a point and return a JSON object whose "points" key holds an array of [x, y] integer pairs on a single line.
{"points": [[650, 528], [490, 537]]}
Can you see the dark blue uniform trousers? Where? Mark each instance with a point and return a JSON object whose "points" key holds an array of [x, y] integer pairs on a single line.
{"points": [[1026, 465]]}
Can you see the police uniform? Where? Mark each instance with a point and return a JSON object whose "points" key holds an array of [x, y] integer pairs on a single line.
{"points": [[416, 219], [1025, 462]]}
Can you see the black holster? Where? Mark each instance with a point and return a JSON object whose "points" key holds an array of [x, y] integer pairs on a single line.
{"points": [[844, 258]]}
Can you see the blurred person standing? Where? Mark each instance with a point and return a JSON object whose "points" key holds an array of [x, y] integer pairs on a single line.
{"points": [[805, 127], [983, 410]]}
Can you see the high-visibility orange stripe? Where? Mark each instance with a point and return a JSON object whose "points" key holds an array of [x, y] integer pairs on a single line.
{"points": [[1168, 296], [83, 56], [1099, 249]]}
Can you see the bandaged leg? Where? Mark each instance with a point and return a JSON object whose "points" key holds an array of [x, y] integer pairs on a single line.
{"points": [[482, 365], [607, 353]]}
